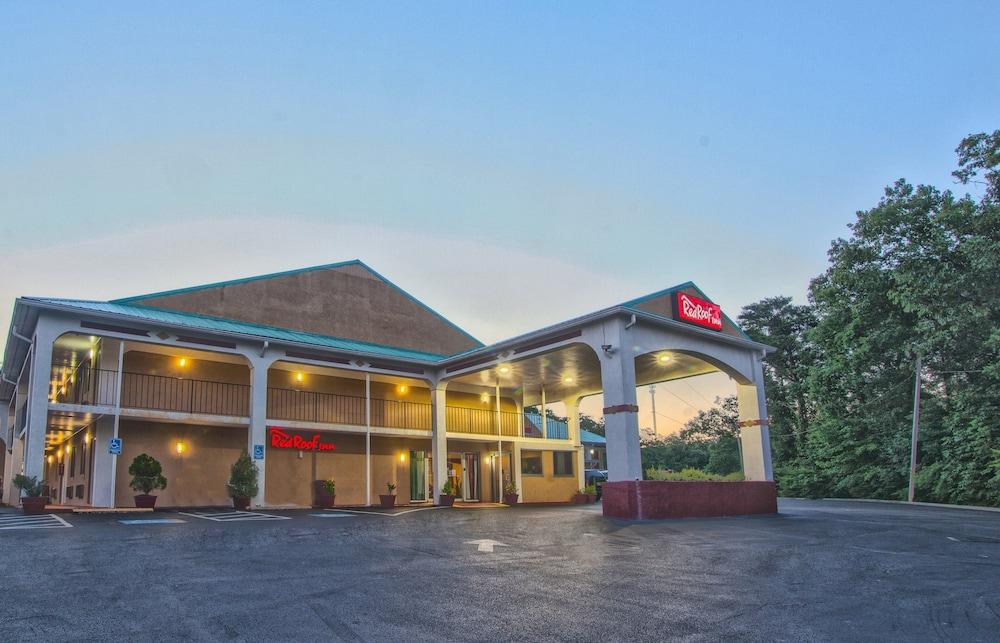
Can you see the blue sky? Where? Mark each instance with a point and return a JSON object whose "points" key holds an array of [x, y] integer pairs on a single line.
{"points": [[492, 158]]}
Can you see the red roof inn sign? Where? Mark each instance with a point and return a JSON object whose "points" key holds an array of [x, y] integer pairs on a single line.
{"points": [[699, 311], [282, 440]]}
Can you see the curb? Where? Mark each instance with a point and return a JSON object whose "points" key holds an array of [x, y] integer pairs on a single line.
{"points": [[913, 504]]}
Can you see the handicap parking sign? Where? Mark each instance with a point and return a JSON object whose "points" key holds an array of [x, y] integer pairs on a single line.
{"points": [[115, 446], [258, 452]]}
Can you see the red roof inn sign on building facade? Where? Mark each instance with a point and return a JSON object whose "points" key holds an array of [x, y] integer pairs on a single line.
{"points": [[699, 311], [282, 440]]}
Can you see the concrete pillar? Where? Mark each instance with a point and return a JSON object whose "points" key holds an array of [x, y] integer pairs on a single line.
{"points": [[573, 427], [101, 484], [755, 437], [257, 433], [515, 464], [621, 413], [38, 397], [439, 438]]}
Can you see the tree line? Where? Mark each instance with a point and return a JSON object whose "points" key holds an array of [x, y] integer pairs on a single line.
{"points": [[919, 275]]}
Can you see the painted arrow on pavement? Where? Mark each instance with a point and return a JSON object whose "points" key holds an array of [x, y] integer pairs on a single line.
{"points": [[485, 545]]}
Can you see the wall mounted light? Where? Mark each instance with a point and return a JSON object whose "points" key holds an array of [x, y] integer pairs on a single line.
{"points": [[180, 447], [182, 362], [300, 376], [663, 359], [86, 438], [485, 397], [568, 379], [69, 447], [504, 369], [402, 457], [50, 459], [402, 389]]}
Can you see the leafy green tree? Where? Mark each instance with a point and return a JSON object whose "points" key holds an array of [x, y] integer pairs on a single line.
{"points": [[918, 276]]}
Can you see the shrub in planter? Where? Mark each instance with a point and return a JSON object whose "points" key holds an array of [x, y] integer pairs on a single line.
{"points": [[580, 497], [591, 493], [147, 476], [447, 497], [509, 492], [325, 492], [33, 501], [388, 499], [242, 485]]}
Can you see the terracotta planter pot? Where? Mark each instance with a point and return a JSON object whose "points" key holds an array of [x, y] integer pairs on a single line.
{"points": [[446, 500], [510, 498], [34, 505], [388, 501], [241, 503], [145, 501], [591, 498], [579, 498], [322, 499]]}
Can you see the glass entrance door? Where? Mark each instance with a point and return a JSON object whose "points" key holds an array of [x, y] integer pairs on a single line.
{"points": [[470, 474], [419, 469]]}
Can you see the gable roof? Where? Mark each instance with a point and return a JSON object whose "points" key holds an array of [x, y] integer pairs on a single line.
{"points": [[286, 273], [589, 437], [635, 304]]}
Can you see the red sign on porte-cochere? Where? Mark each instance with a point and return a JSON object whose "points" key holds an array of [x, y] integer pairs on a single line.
{"points": [[282, 440], [699, 311]]}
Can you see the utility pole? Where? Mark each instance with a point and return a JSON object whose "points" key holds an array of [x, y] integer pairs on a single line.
{"points": [[652, 398], [916, 428]]}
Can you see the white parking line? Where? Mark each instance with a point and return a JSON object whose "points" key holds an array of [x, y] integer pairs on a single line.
{"points": [[46, 521], [366, 512], [331, 515], [233, 516], [152, 521]]}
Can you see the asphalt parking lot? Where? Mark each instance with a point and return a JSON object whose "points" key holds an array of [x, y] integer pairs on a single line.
{"points": [[820, 570]]}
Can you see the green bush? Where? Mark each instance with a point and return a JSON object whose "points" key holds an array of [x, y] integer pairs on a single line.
{"points": [[591, 489], [692, 475], [147, 474], [448, 488], [509, 488], [391, 486], [31, 486], [330, 486], [243, 478]]}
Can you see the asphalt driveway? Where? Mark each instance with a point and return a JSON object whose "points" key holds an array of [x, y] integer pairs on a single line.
{"points": [[820, 570]]}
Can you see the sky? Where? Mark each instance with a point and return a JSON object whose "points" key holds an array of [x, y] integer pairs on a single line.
{"points": [[511, 164]]}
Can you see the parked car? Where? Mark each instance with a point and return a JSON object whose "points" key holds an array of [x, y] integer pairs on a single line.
{"points": [[596, 477]]}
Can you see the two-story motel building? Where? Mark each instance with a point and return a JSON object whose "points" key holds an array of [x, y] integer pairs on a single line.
{"points": [[333, 371]]}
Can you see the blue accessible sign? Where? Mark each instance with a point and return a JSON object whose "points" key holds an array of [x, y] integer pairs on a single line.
{"points": [[115, 446], [258, 452]]}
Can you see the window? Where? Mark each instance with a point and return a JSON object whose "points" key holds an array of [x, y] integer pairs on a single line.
{"points": [[531, 463], [562, 463]]}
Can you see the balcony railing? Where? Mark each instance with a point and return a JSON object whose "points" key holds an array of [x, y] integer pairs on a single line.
{"points": [[96, 387], [155, 392], [330, 408]]}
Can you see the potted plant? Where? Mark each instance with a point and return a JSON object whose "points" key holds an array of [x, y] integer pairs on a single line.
{"points": [[591, 491], [33, 501], [509, 492], [447, 497], [580, 497], [388, 499], [242, 485], [326, 493], [147, 476]]}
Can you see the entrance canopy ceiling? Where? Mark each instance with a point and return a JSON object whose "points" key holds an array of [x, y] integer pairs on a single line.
{"points": [[575, 371]]}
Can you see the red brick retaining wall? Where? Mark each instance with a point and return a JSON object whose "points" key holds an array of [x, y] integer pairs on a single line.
{"points": [[651, 499]]}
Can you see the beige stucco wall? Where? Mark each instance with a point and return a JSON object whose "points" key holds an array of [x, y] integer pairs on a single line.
{"points": [[547, 487], [198, 369], [195, 478], [289, 478]]}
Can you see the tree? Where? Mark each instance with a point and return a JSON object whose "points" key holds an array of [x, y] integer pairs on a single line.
{"points": [[918, 276]]}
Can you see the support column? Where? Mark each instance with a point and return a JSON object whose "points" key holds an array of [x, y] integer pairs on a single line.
{"points": [[38, 399], [573, 426], [515, 464], [755, 437], [102, 481], [621, 413], [439, 439], [545, 421], [368, 439], [257, 433]]}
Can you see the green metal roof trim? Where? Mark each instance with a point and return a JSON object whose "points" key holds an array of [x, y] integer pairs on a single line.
{"points": [[589, 437], [632, 303], [339, 264], [204, 322]]}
